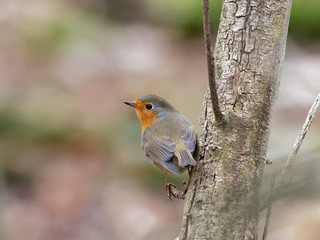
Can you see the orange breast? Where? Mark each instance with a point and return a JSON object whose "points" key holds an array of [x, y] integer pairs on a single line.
{"points": [[147, 118]]}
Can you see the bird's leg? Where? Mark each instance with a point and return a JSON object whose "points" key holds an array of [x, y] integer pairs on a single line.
{"points": [[169, 187], [165, 182], [172, 190]]}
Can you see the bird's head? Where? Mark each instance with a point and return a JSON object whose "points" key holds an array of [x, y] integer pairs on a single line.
{"points": [[150, 108]]}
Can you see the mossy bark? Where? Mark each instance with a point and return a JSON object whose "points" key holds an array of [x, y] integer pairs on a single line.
{"points": [[222, 200]]}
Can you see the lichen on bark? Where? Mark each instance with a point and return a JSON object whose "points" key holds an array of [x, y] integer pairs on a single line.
{"points": [[222, 200]]}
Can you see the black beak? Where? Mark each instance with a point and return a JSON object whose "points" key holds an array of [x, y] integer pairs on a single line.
{"points": [[132, 104]]}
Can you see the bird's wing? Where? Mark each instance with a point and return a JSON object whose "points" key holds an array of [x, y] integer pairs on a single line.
{"points": [[161, 151], [189, 137]]}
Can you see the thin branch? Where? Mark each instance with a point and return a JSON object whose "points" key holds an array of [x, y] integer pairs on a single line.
{"points": [[266, 225], [301, 135], [296, 147], [219, 117]]}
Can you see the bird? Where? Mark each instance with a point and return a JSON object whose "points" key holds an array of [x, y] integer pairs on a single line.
{"points": [[168, 138]]}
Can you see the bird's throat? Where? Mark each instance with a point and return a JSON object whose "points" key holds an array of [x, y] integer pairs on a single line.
{"points": [[147, 118]]}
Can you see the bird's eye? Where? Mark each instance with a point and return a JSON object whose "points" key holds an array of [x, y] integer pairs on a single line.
{"points": [[149, 106]]}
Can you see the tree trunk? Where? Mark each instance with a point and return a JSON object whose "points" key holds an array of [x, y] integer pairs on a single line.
{"points": [[222, 200]]}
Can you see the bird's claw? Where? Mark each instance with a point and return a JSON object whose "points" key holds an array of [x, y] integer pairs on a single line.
{"points": [[169, 189]]}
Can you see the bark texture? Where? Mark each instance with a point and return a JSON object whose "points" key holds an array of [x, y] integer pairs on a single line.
{"points": [[222, 200]]}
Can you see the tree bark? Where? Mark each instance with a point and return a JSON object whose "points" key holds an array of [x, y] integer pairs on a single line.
{"points": [[222, 200]]}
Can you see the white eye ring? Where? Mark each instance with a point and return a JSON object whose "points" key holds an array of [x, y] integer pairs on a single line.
{"points": [[149, 106]]}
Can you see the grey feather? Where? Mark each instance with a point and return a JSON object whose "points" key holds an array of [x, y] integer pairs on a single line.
{"points": [[159, 150], [172, 167], [189, 137], [185, 158]]}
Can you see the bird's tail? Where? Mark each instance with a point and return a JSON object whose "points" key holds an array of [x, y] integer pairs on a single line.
{"points": [[185, 158]]}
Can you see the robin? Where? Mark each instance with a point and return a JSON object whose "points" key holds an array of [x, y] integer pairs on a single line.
{"points": [[168, 138]]}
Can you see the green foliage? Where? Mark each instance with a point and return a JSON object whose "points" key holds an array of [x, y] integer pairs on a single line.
{"points": [[19, 136], [184, 15], [44, 37], [305, 19], [13, 126], [53, 32]]}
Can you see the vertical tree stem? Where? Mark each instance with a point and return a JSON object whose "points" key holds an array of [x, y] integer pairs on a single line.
{"points": [[219, 117]]}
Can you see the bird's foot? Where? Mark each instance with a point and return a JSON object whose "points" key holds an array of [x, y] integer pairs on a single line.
{"points": [[170, 189], [173, 192]]}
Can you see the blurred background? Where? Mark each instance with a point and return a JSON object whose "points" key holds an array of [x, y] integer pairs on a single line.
{"points": [[71, 163]]}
